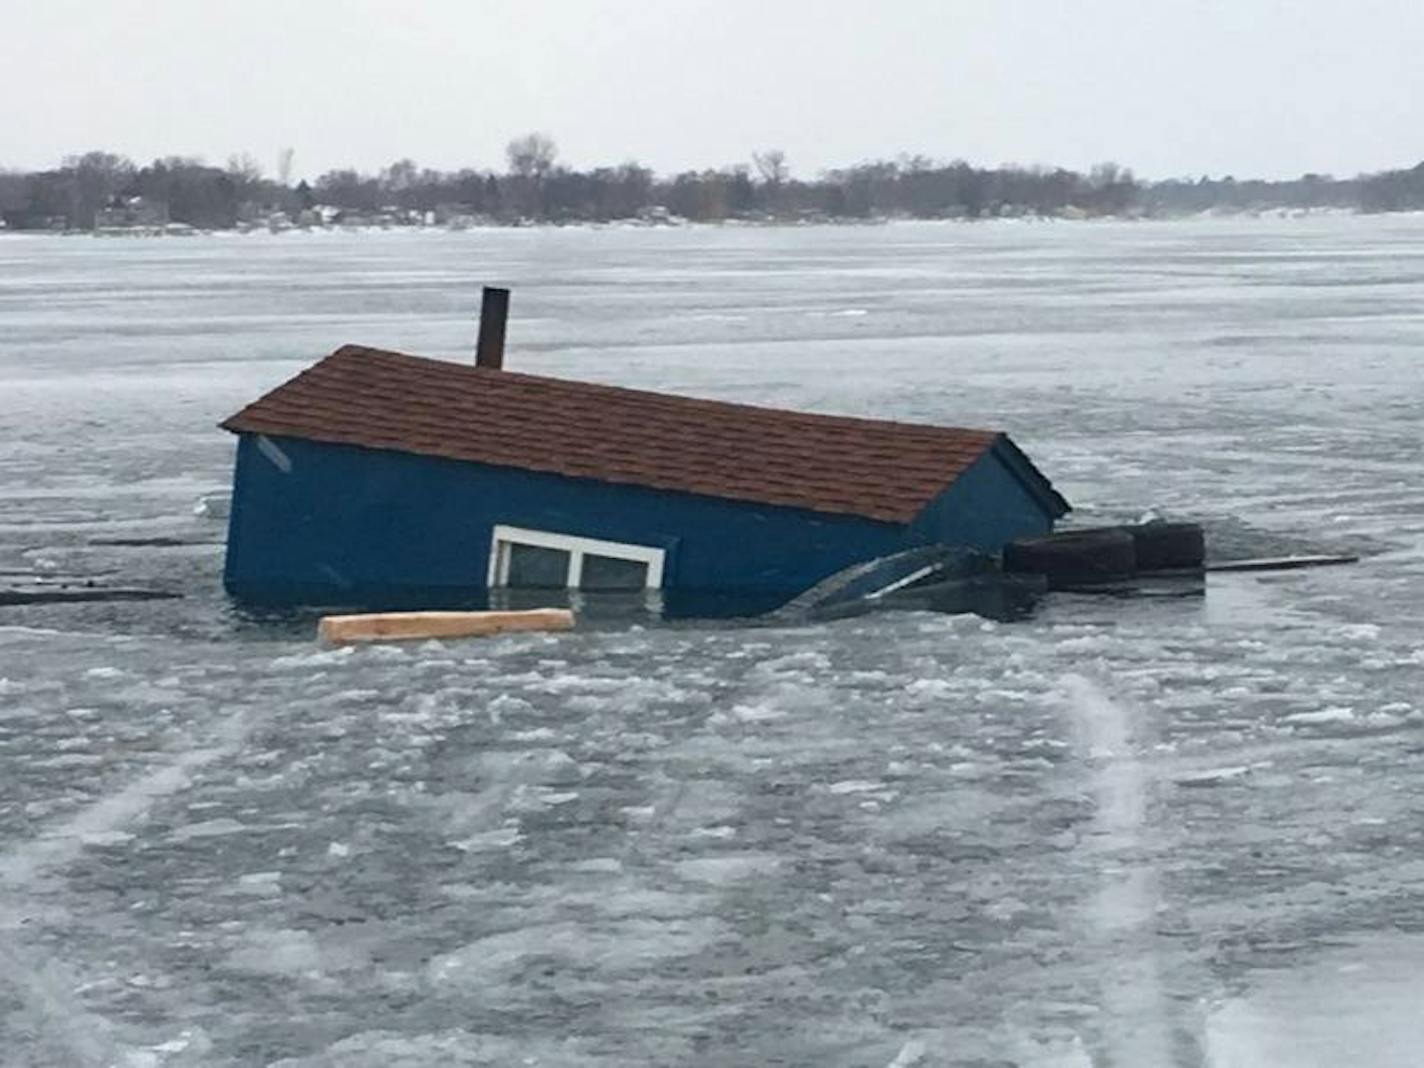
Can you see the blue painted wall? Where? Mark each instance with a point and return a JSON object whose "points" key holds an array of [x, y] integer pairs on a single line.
{"points": [[986, 506], [335, 524]]}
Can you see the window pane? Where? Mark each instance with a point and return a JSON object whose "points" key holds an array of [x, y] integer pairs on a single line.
{"points": [[534, 565], [610, 573]]}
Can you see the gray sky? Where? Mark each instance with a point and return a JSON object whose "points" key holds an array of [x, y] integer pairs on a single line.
{"points": [[1169, 87]]}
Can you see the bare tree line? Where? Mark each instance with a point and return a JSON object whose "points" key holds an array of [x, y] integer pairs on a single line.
{"points": [[99, 189]]}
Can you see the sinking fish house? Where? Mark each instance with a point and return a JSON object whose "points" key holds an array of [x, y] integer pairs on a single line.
{"points": [[379, 478]]}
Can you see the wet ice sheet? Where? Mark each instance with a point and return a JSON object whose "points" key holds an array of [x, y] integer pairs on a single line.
{"points": [[1373, 987], [1151, 831], [669, 846]]}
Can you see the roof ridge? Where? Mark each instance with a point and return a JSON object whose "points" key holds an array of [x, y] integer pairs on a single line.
{"points": [[837, 464], [652, 396]]}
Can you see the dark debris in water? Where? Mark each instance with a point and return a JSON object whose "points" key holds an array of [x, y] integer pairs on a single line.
{"points": [[65, 593]]}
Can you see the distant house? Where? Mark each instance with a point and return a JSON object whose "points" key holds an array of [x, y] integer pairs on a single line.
{"points": [[378, 478], [131, 213]]}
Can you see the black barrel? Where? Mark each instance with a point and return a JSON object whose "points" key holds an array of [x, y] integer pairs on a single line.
{"points": [[1169, 546], [1076, 558]]}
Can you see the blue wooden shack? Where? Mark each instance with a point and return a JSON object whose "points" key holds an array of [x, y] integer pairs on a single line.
{"points": [[381, 479]]}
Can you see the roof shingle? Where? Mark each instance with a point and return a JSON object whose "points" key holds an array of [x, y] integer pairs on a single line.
{"points": [[386, 400]]}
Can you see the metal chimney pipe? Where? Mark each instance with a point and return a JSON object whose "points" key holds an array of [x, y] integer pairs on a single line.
{"points": [[494, 313]]}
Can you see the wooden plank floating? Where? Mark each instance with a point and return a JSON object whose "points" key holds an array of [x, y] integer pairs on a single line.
{"points": [[1283, 563], [408, 626]]}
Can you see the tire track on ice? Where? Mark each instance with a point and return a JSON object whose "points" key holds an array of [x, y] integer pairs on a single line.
{"points": [[44, 989]]}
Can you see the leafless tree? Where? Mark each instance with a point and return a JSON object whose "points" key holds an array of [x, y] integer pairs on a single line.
{"points": [[243, 168], [97, 177], [771, 165], [1106, 174], [284, 166], [401, 175], [532, 155]]}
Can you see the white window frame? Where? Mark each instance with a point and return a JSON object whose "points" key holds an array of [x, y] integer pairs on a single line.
{"points": [[504, 536]]}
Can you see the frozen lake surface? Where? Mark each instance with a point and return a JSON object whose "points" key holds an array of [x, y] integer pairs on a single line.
{"points": [[1134, 832]]}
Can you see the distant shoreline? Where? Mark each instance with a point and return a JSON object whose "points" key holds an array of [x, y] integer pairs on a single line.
{"points": [[143, 232], [108, 193]]}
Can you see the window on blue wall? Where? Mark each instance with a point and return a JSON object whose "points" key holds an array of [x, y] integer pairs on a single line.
{"points": [[612, 573], [537, 566], [542, 559]]}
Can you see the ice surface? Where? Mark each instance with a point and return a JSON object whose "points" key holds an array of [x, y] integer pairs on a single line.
{"points": [[1373, 987], [1127, 831]]}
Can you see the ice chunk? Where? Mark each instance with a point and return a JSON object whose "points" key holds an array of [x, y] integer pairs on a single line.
{"points": [[106, 838], [323, 658], [930, 688], [492, 962], [854, 786], [1335, 714], [264, 883], [190, 1047], [277, 952], [531, 766], [538, 734], [911, 1053], [1214, 776], [499, 838], [213, 506], [453, 1049], [728, 867], [721, 831], [208, 829]]}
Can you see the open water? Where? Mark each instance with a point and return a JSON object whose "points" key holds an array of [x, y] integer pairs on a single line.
{"points": [[1182, 830]]}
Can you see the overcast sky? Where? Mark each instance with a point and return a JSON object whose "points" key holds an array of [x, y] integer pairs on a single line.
{"points": [[1168, 87]]}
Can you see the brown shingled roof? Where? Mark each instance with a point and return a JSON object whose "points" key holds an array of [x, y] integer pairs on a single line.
{"points": [[825, 463]]}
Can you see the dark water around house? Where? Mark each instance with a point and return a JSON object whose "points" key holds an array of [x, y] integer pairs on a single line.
{"points": [[1169, 830]]}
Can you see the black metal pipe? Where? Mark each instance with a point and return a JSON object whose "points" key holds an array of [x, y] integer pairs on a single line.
{"points": [[494, 314]]}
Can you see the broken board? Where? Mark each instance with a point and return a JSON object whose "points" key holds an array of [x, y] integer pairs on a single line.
{"points": [[39, 593], [1282, 563]]}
